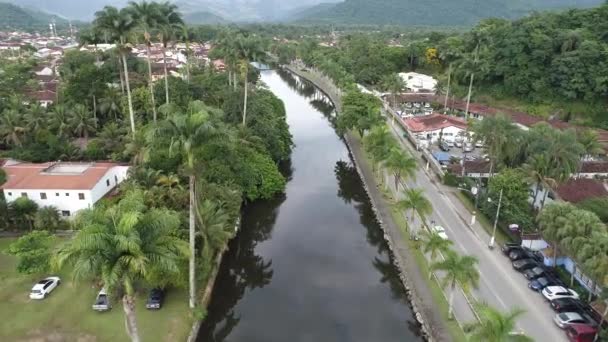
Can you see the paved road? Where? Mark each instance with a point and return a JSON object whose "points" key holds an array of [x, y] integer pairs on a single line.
{"points": [[500, 285]]}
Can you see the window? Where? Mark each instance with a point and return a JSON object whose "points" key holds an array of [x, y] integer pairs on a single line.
{"points": [[23, 194], [67, 194], [65, 213], [10, 193], [107, 182], [43, 195], [57, 194], [116, 179], [80, 196]]}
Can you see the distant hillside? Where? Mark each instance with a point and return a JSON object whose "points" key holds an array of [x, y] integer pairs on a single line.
{"points": [[202, 18], [15, 17], [429, 12]]}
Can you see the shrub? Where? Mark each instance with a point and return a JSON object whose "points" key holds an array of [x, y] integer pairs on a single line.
{"points": [[33, 251], [598, 206], [450, 179]]}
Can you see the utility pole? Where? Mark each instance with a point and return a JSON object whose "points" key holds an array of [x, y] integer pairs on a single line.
{"points": [[492, 240]]}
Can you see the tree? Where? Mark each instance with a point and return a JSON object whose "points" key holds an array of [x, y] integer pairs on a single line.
{"points": [[147, 16], [82, 122], [589, 141], [537, 169], [214, 227], [33, 252], [109, 105], [170, 21], [551, 220], [416, 202], [187, 131], [495, 326], [124, 244], [459, 270], [393, 84], [47, 218], [24, 210], [12, 127], [35, 118], [496, 132], [59, 120], [379, 143], [247, 49], [434, 244], [400, 164], [118, 25], [359, 111]]}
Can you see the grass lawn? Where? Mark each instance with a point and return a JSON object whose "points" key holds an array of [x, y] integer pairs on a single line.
{"points": [[66, 315]]}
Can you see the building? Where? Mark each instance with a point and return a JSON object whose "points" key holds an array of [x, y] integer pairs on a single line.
{"points": [[472, 168], [432, 127], [578, 190], [418, 83], [594, 169], [69, 187], [44, 98]]}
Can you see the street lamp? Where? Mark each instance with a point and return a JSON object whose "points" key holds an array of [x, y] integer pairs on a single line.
{"points": [[491, 244]]}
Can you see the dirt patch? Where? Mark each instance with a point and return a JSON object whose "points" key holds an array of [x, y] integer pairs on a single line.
{"points": [[55, 336]]}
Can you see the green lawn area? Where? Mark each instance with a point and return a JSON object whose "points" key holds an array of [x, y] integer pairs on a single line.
{"points": [[66, 315]]}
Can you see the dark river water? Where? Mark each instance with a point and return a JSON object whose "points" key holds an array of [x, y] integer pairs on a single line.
{"points": [[311, 265]]}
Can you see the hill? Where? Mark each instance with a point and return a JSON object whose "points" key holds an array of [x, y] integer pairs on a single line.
{"points": [[429, 12], [15, 17], [203, 18]]}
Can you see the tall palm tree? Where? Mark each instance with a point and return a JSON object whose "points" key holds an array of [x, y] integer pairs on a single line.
{"points": [[538, 171], [12, 127], [118, 24], [185, 35], [459, 270], [147, 16], [495, 326], [58, 120], [124, 244], [109, 105], [81, 121], [496, 133], [416, 202], [551, 220], [187, 132], [400, 164], [247, 49], [434, 244], [214, 226], [170, 21], [378, 143], [35, 118], [393, 84]]}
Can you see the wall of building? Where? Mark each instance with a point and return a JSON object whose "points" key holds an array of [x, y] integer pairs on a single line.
{"points": [[63, 200], [109, 181], [449, 133]]}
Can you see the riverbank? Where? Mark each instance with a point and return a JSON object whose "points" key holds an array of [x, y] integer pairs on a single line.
{"points": [[419, 293]]}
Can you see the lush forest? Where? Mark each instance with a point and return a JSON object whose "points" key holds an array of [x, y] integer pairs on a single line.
{"points": [[15, 17], [429, 13]]}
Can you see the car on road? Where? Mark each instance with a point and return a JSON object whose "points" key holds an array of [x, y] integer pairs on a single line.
{"points": [[102, 302], [540, 283], [580, 333], [563, 319], [508, 247], [534, 273], [439, 230], [42, 288], [155, 299], [555, 292], [565, 304], [524, 264]]}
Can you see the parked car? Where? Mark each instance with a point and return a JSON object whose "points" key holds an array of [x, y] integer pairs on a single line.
{"points": [[155, 299], [102, 302], [479, 144], [524, 264], [534, 273], [525, 253], [565, 304], [444, 146], [439, 230], [458, 143], [564, 319], [581, 333], [42, 288], [509, 247], [468, 147], [540, 283], [554, 292], [450, 143]]}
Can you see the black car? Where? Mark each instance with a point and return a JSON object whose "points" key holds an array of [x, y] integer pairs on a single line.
{"points": [[524, 264], [525, 253], [155, 299], [534, 273], [540, 283], [565, 304], [510, 247]]}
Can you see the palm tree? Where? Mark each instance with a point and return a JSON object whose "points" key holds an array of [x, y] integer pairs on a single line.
{"points": [[459, 270], [434, 244], [124, 244], [47, 218], [589, 140], [537, 169], [138, 147], [214, 225], [551, 220], [378, 143], [12, 127], [187, 132], [416, 202], [109, 105], [247, 49], [119, 24], [35, 118], [496, 132], [495, 326], [147, 16], [59, 121], [400, 164], [185, 35], [24, 211], [393, 84], [82, 122], [168, 26]]}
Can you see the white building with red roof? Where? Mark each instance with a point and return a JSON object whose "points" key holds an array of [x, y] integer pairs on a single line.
{"points": [[69, 187], [430, 127]]}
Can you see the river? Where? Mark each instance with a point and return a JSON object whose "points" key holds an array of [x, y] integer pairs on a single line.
{"points": [[311, 265]]}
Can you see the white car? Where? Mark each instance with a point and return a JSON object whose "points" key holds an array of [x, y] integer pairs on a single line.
{"points": [[439, 230], [566, 318], [555, 292], [42, 288]]}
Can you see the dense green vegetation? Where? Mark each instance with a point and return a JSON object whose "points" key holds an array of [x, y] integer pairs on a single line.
{"points": [[427, 13], [15, 17]]}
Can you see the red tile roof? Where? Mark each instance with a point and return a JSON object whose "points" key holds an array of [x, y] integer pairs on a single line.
{"points": [[433, 122], [594, 167], [43, 95], [578, 190], [37, 176], [471, 166]]}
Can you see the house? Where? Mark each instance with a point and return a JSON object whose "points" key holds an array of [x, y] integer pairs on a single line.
{"points": [[418, 83], [472, 168], [594, 169], [43, 71], [44, 97], [69, 187], [578, 190], [432, 127], [218, 64]]}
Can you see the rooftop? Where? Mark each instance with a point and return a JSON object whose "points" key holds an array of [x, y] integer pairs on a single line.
{"points": [[55, 175], [433, 122], [578, 190]]}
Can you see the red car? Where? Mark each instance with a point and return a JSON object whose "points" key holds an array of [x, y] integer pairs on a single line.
{"points": [[580, 333]]}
